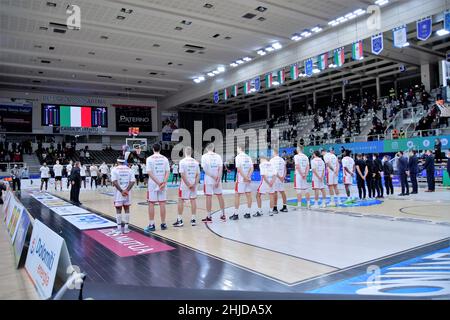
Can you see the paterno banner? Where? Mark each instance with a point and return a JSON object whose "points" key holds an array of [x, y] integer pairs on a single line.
{"points": [[133, 116]]}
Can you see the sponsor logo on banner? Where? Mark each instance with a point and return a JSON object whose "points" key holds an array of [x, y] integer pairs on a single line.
{"points": [[127, 245], [42, 258], [68, 210], [424, 276], [424, 28], [377, 43], [447, 21], [89, 221]]}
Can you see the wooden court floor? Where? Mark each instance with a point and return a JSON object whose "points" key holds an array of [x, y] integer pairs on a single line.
{"points": [[284, 268]]}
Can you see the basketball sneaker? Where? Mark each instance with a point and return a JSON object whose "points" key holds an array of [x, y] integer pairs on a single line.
{"points": [[207, 220], [333, 204], [284, 209], [258, 214], [223, 218], [179, 223], [315, 206], [247, 216], [149, 229], [324, 205], [126, 229], [275, 210], [163, 226], [193, 222], [234, 217]]}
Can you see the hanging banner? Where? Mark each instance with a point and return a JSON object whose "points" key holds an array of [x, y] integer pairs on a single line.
{"points": [[294, 72], [377, 43], [424, 28], [339, 57], [234, 90], [357, 50], [216, 97], [400, 37], [226, 94], [256, 84], [322, 61], [269, 80], [309, 67], [246, 87], [447, 20]]}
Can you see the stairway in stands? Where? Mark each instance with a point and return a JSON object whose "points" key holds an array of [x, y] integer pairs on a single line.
{"points": [[32, 162]]}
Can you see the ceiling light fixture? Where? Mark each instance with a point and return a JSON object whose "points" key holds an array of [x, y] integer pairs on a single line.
{"points": [[261, 9], [211, 74], [261, 52], [381, 2], [296, 37], [316, 29], [239, 62], [359, 12], [277, 46], [233, 64], [247, 59], [221, 69]]}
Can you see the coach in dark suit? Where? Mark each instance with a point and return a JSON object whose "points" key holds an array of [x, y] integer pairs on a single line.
{"points": [[378, 169], [388, 172], [429, 168], [402, 167], [75, 180], [413, 170]]}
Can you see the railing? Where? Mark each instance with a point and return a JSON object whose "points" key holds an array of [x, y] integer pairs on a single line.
{"points": [[7, 166], [406, 115]]}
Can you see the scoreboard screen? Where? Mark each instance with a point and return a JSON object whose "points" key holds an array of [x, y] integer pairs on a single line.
{"points": [[74, 116]]}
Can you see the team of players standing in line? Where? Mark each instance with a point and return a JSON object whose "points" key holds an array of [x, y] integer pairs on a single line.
{"points": [[273, 173]]}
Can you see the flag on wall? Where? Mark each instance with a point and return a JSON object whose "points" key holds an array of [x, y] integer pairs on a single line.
{"points": [[269, 80], [234, 90], [400, 37], [75, 117], [294, 71], [357, 50], [226, 94], [339, 57], [281, 76], [322, 61], [424, 28], [377, 43]]}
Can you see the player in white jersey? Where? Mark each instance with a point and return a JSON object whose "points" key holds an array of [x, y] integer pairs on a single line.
{"points": [[93, 169], [301, 162], [244, 171], [135, 169], [57, 169], [190, 176], [348, 165], [45, 175], [122, 179], [212, 166], [279, 167], [158, 171], [332, 174], [318, 173], [68, 172], [104, 170], [266, 185], [83, 170]]}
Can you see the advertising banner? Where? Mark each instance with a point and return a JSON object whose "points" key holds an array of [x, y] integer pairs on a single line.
{"points": [[68, 210], [89, 221], [42, 258], [21, 234], [133, 116]]}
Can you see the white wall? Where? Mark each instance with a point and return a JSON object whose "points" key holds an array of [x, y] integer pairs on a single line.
{"points": [[38, 98]]}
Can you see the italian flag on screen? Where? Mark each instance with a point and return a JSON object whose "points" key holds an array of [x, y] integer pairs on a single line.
{"points": [[75, 117]]}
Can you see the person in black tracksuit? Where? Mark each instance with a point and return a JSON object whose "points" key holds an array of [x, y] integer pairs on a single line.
{"points": [[388, 172], [361, 174], [370, 178], [413, 170], [377, 168]]}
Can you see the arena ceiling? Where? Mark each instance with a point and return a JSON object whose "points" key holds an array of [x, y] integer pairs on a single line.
{"points": [[155, 48]]}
